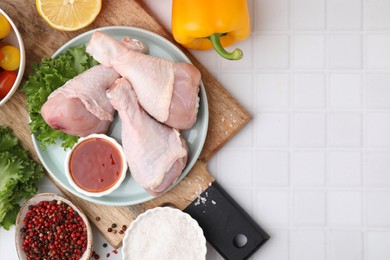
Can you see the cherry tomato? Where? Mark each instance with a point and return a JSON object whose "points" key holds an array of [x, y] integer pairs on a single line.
{"points": [[11, 58], [1, 55], [7, 80], [5, 27]]}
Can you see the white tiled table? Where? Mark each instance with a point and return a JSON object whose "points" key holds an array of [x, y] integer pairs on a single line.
{"points": [[313, 166]]}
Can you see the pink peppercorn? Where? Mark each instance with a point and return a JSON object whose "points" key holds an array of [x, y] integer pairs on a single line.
{"points": [[48, 233]]}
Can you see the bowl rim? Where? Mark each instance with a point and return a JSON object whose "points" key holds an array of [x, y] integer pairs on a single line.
{"points": [[118, 182], [52, 196], [22, 63]]}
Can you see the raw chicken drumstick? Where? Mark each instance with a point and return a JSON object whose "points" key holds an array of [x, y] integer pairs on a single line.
{"points": [[80, 107], [156, 154], [168, 91]]}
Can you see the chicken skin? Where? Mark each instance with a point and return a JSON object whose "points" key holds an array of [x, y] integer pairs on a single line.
{"points": [[156, 153], [167, 90], [81, 107]]}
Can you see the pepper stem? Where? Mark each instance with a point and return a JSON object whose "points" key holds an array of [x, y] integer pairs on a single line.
{"points": [[216, 42]]}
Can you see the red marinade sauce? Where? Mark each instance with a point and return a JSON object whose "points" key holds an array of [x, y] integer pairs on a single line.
{"points": [[95, 165]]}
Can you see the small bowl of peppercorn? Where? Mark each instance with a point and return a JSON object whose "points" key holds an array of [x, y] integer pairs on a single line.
{"points": [[49, 226]]}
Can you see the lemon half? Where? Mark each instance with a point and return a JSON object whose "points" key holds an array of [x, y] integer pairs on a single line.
{"points": [[69, 15]]}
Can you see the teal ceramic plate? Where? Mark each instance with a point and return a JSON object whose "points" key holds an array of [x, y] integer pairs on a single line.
{"points": [[129, 193]]}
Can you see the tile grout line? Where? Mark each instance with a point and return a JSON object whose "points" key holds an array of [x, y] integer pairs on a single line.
{"points": [[319, 188], [364, 232], [290, 132], [254, 107], [319, 32], [317, 70], [326, 148]]}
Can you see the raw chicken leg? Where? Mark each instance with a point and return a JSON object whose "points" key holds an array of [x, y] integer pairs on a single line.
{"points": [[156, 153], [168, 91], [81, 107]]}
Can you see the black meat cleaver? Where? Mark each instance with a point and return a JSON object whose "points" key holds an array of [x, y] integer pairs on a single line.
{"points": [[226, 226]]}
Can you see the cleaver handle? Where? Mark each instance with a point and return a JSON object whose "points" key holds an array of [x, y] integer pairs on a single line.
{"points": [[226, 226]]}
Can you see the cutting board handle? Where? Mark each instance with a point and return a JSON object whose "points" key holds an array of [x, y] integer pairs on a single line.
{"points": [[226, 225]]}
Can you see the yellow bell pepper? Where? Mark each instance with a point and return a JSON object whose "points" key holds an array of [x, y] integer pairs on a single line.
{"points": [[203, 24]]}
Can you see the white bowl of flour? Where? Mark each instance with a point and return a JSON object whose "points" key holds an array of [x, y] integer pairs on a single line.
{"points": [[164, 233]]}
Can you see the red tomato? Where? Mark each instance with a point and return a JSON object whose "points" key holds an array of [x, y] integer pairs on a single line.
{"points": [[7, 80]]}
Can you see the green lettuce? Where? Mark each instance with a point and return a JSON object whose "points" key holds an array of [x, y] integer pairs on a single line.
{"points": [[46, 77], [19, 176]]}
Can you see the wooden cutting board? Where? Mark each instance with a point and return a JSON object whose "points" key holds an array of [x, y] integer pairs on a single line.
{"points": [[227, 116]]}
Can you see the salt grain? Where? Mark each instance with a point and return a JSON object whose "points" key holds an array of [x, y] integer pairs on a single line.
{"points": [[169, 236]]}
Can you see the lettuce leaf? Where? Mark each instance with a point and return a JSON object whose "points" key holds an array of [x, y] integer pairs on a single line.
{"points": [[46, 77], [19, 176]]}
